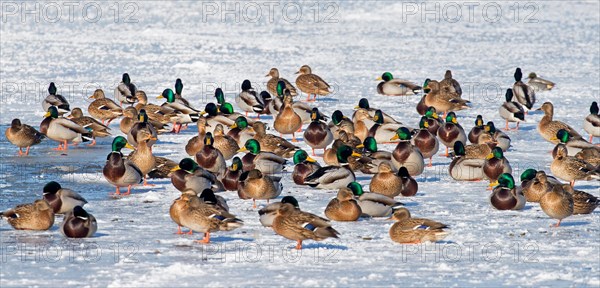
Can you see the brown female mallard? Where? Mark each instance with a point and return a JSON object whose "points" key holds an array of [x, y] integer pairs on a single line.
{"points": [[344, 207], [33, 216], [408, 230], [255, 185], [142, 156], [196, 143], [450, 83], [583, 202], [310, 83], [297, 225], [444, 100], [135, 133], [23, 136], [569, 168], [535, 188], [272, 143], [287, 120], [386, 181], [557, 204], [549, 127], [206, 216], [226, 144], [272, 83], [103, 108], [98, 129]]}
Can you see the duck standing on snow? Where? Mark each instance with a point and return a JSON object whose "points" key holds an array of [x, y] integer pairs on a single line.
{"points": [[317, 135], [591, 124], [248, 100], [22, 136], [569, 168], [407, 155], [98, 129], [272, 83], [62, 129], [451, 132], [310, 83], [121, 172], [125, 91], [557, 204], [525, 94], [396, 87], [511, 111], [255, 185], [103, 108], [57, 100], [268, 214], [297, 225], [549, 127]]}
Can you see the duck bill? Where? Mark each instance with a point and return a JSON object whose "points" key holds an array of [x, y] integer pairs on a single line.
{"points": [[243, 149], [489, 156], [233, 126], [495, 183], [47, 115], [357, 155], [360, 146], [159, 97], [129, 146], [175, 168], [378, 79], [311, 160], [395, 137]]}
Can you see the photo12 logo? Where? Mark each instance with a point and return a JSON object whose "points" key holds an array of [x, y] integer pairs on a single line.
{"points": [[69, 11], [471, 12], [270, 11]]}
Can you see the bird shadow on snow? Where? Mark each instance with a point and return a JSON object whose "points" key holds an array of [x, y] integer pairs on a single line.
{"points": [[322, 246], [574, 223]]}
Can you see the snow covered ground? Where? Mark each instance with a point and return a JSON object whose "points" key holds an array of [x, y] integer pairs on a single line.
{"points": [[349, 44]]}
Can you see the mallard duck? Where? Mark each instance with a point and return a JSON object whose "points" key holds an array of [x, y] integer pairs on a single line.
{"points": [[538, 83], [272, 83], [364, 104], [62, 200], [450, 83], [583, 202], [549, 127], [427, 143], [196, 143], [373, 204], [209, 157], [33, 216], [310, 83], [574, 145], [363, 163], [505, 196], [57, 100], [362, 123], [386, 181], [179, 91], [156, 116], [225, 143], [178, 207], [407, 155], [334, 177], [464, 169], [125, 91], [130, 117], [557, 204], [142, 127], [23, 135], [223, 106], [253, 184], [297, 225], [205, 216], [98, 129], [589, 155], [317, 135], [421, 106], [511, 111], [162, 168], [477, 130], [444, 100], [231, 175], [266, 162], [380, 131], [303, 166], [591, 124], [344, 207], [142, 156], [287, 120], [119, 171], [495, 164], [408, 230], [433, 120], [183, 114], [409, 184], [338, 123], [272, 143], [538, 186], [188, 175], [103, 108], [525, 94], [482, 150], [376, 156], [451, 132], [502, 140], [569, 168], [225, 115], [396, 87], [248, 100], [63, 130], [268, 213], [78, 223], [240, 131]]}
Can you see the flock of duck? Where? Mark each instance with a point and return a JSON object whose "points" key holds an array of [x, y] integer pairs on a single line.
{"points": [[349, 143]]}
